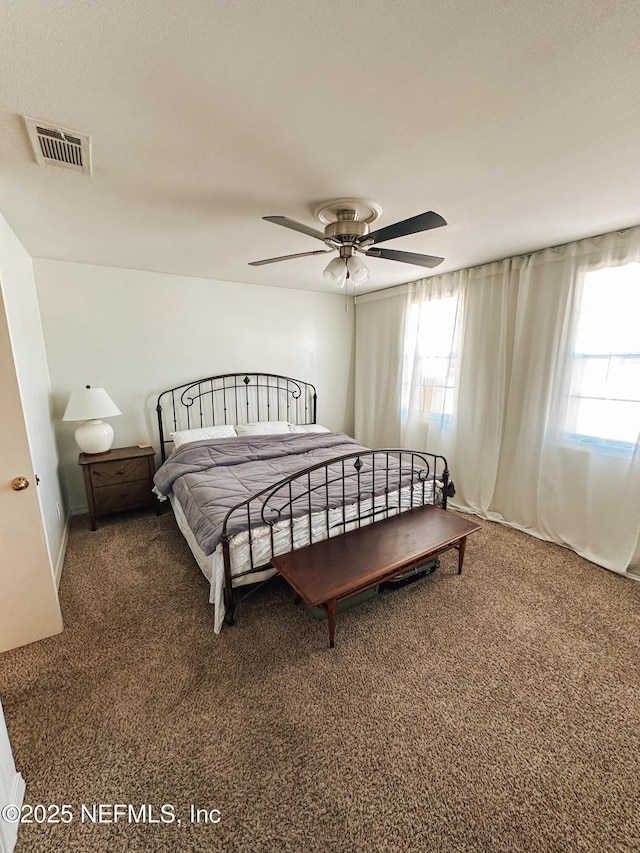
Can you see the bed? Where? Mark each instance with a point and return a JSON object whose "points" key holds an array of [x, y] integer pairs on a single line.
{"points": [[250, 474]]}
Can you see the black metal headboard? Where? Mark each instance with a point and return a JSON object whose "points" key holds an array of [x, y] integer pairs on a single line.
{"points": [[234, 398]]}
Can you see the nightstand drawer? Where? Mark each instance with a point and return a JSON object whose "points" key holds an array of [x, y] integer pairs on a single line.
{"points": [[119, 471], [122, 496]]}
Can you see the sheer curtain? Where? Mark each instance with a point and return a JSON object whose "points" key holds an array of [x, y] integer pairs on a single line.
{"points": [[380, 325], [432, 356], [585, 497], [497, 406]]}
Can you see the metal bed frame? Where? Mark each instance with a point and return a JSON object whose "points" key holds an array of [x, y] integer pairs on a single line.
{"points": [[378, 475], [234, 398]]}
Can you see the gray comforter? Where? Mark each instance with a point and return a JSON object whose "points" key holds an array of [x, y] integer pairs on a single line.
{"points": [[210, 477]]}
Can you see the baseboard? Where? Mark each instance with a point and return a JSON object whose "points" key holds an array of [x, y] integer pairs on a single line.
{"points": [[9, 831], [62, 550]]}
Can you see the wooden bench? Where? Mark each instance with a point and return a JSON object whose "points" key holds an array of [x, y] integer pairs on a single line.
{"points": [[326, 572]]}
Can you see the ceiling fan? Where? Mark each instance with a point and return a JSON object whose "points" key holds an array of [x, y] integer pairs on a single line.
{"points": [[347, 222]]}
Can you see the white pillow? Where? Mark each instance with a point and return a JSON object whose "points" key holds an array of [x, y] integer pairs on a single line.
{"points": [[184, 436], [308, 428], [263, 428]]}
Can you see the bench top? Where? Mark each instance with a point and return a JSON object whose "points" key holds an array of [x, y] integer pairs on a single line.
{"points": [[333, 568]]}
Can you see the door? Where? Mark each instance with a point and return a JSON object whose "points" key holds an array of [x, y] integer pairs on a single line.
{"points": [[29, 608], [12, 789]]}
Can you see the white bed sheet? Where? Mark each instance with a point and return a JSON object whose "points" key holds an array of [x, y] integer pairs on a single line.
{"points": [[212, 566]]}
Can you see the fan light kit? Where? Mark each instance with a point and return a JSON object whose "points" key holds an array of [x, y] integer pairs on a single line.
{"points": [[347, 222]]}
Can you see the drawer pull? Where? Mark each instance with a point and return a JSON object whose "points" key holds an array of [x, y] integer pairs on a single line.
{"points": [[121, 471]]}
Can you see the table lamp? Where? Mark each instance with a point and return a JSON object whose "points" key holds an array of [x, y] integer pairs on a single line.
{"points": [[91, 405]]}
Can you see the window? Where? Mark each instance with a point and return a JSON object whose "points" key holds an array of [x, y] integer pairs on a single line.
{"points": [[430, 359], [603, 405]]}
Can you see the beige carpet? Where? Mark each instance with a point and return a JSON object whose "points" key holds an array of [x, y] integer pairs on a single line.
{"points": [[492, 712]]}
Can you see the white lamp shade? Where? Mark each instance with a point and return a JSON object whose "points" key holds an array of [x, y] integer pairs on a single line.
{"points": [[357, 270], [91, 405], [335, 272], [88, 404]]}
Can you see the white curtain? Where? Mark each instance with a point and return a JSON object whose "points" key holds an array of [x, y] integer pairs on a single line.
{"points": [[503, 422], [434, 325], [380, 322]]}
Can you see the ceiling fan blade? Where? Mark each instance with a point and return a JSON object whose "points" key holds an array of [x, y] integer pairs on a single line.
{"points": [[296, 226], [421, 222], [405, 257], [288, 257]]}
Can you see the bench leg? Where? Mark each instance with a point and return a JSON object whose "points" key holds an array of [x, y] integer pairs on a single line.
{"points": [[331, 618], [461, 550]]}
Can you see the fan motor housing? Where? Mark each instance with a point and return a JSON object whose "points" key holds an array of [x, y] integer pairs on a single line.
{"points": [[347, 228]]}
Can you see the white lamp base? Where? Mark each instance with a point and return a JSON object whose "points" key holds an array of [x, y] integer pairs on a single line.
{"points": [[94, 437]]}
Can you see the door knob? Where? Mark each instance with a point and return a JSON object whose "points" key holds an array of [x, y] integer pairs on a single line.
{"points": [[19, 483]]}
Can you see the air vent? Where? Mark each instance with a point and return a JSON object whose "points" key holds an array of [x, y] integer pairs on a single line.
{"points": [[58, 146]]}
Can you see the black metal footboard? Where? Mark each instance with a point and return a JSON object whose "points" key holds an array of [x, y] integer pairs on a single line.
{"points": [[328, 499]]}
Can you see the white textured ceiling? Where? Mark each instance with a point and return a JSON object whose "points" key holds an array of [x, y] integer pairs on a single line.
{"points": [[518, 122]]}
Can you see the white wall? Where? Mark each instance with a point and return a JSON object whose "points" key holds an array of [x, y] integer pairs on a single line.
{"points": [[30, 361], [137, 333]]}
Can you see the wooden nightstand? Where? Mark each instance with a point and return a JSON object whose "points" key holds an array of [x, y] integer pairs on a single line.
{"points": [[119, 480]]}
